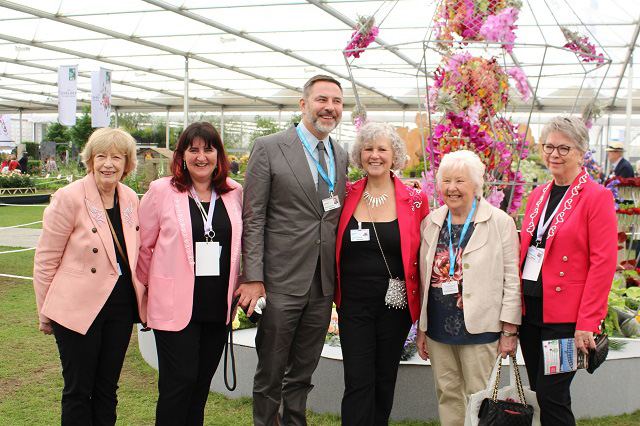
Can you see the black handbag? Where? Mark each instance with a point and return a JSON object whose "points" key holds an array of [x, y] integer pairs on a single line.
{"points": [[599, 354], [495, 412]]}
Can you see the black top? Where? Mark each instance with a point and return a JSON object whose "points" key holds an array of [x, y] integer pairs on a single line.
{"points": [[445, 314], [209, 292], [534, 288], [123, 291], [363, 274]]}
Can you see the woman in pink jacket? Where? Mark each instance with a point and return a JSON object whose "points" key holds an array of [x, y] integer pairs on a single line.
{"points": [[85, 290], [190, 228]]}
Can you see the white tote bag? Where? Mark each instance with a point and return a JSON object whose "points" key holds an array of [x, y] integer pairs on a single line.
{"points": [[475, 400]]}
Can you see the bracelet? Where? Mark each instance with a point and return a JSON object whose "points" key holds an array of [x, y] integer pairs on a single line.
{"points": [[510, 334]]}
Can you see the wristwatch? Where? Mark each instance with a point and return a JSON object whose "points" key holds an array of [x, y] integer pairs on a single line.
{"points": [[510, 334]]}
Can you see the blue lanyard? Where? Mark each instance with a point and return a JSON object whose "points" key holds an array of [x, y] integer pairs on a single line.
{"points": [[467, 222], [332, 173]]}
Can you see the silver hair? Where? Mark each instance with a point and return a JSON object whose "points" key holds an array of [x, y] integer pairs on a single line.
{"points": [[463, 160], [571, 127], [371, 132]]}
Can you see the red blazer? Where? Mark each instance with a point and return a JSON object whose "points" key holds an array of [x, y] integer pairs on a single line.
{"points": [[581, 252], [412, 206]]}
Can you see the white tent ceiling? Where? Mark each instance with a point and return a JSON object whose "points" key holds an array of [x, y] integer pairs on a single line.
{"points": [[251, 55]]}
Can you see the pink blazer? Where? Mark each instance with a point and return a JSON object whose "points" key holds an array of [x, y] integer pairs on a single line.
{"points": [[412, 206], [580, 252], [75, 266], [166, 257]]}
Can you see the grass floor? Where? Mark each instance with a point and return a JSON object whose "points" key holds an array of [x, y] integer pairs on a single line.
{"points": [[31, 381], [18, 215]]}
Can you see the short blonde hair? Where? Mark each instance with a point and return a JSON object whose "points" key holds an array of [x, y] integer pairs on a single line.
{"points": [[105, 139], [369, 133], [463, 160]]}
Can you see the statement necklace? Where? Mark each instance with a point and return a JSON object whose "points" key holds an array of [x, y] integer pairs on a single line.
{"points": [[376, 201]]}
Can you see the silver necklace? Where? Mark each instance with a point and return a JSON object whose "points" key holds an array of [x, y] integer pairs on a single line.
{"points": [[376, 201]]}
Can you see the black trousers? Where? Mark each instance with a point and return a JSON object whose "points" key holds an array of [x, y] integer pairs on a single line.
{"points": [[187, 361], [552, 391], [91, 366], [372, 337]]}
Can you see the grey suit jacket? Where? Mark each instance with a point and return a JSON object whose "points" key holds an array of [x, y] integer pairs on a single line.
{"points": [[285, 229]]}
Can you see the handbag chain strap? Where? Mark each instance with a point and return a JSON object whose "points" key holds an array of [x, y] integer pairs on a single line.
{"points": [[518, 382], [378, 240]]}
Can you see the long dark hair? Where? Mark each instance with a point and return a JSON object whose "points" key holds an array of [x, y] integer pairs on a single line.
{"points": [[181, 178]]}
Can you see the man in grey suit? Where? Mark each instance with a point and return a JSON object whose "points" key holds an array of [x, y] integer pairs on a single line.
{"points": [[294, 189]]}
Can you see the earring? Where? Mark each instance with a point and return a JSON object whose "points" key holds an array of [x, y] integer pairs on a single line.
{"points": [[184, 165]]}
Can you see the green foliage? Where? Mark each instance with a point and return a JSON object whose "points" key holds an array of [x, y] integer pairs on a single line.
{"points": [[16, 181], [355, 174], [244, 321], [295, 118], [418, 169], [265, 126], [34, 167], [33, 149], [131, 121], [57, 133], [81, 131], [136, 182]]}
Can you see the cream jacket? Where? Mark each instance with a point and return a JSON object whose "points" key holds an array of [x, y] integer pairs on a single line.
{"points": [[491, 281]]}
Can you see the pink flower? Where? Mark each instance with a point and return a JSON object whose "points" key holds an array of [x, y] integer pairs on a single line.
{"points": [[500, 27], [521, 82]]}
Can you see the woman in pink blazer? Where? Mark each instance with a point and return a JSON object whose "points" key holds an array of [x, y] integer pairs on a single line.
{"points": [[85, 290], [568, 258], [190, 228], [378, 237]]}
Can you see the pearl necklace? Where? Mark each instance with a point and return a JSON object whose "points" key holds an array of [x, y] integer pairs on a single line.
{"points": [[376, 201]]}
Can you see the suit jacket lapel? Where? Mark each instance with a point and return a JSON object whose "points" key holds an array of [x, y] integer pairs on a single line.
{"points": [[181, 206], [97, 213], [403, 208], [568, 201], [481, 229], [235, 217], [128, 227], [294, 153]]}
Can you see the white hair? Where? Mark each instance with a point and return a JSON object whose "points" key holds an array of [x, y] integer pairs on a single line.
{"points": [[571, 127], [371, 132], [463, 160]]}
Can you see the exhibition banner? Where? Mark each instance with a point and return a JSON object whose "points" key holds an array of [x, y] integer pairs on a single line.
{"points": [[5, 128], [100, 98], [67, 94]]}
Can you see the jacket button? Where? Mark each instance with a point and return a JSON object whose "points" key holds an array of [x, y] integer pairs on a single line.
{"points": [[137, 228], [94, 230], [93, 270], [413, 292], [558, 289], [562, 274], [412, 278], [317, 241], [465, 266], [95, 250], [565, 258], [415, 263]]}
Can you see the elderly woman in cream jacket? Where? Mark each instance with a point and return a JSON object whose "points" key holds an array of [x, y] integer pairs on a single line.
{"points": [[471, 302]]}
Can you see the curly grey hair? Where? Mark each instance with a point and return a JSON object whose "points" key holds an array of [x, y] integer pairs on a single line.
{"points": [[571, 127], [371, 132], [463, 160]]}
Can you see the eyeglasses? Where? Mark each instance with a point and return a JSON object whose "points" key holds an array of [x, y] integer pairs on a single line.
{"points": [[562, 149]]}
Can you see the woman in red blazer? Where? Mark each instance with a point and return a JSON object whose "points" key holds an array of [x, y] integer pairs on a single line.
{"points": [[378, 239], [567, 258], [83, 275]]}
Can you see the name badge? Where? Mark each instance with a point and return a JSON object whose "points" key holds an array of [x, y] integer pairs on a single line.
{"points": [[450, 287], [119, 270], [360, 235], [331, 203], [208, 259], [533, 264]]}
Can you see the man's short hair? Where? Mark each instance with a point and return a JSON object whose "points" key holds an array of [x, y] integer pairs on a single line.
{"points": [[313, 80]]}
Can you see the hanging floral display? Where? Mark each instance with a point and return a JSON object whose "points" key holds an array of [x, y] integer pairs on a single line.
{"points": [[585, 50], [359, 117], [477, 20], [365, 33], [591, 112]]}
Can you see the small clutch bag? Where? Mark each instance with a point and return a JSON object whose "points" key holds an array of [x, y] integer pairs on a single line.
{"points": [[599, 354]]}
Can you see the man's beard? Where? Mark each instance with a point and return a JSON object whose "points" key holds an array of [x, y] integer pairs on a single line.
{"points": [[314, 120]]}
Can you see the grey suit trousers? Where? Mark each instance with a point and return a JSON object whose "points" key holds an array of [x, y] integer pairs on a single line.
{"points": [[289, 342]]}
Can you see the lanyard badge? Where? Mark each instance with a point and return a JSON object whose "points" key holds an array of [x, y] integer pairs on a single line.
{"points": [[321, 173], [207, 217], [451, 286]]}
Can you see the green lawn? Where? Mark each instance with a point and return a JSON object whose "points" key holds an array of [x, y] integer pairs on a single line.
{"points": [[18, 215], [31, 381]]}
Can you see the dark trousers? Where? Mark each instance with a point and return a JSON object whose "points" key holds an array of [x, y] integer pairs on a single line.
{"points": [[552, 391], [91, 366], [372, 337], [187, 361], [289, 343]]}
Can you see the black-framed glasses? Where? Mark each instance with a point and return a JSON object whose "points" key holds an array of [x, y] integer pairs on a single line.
{"points": [[562, 149]]}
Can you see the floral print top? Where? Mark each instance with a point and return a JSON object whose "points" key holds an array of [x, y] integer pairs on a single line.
{"points": [[445, 313]]}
